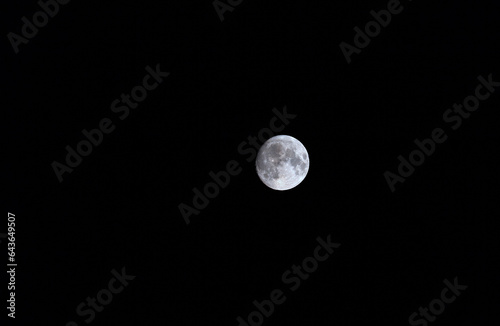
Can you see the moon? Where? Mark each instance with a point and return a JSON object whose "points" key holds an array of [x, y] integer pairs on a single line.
{"points": [[282, 162]]}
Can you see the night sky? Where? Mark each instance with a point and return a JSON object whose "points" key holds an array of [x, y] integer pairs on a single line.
{"points": [[118, 114]]}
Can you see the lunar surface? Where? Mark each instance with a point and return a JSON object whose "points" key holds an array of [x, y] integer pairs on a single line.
{"points": [[282, 162]]}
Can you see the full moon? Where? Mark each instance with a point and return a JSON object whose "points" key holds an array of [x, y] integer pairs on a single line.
{"points": [[282, 162]]}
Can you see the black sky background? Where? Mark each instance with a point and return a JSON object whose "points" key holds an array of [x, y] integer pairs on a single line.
{"points": [[119, 208]]}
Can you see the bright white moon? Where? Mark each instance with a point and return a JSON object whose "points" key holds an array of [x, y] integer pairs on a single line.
{"points": [[282, 162]]}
